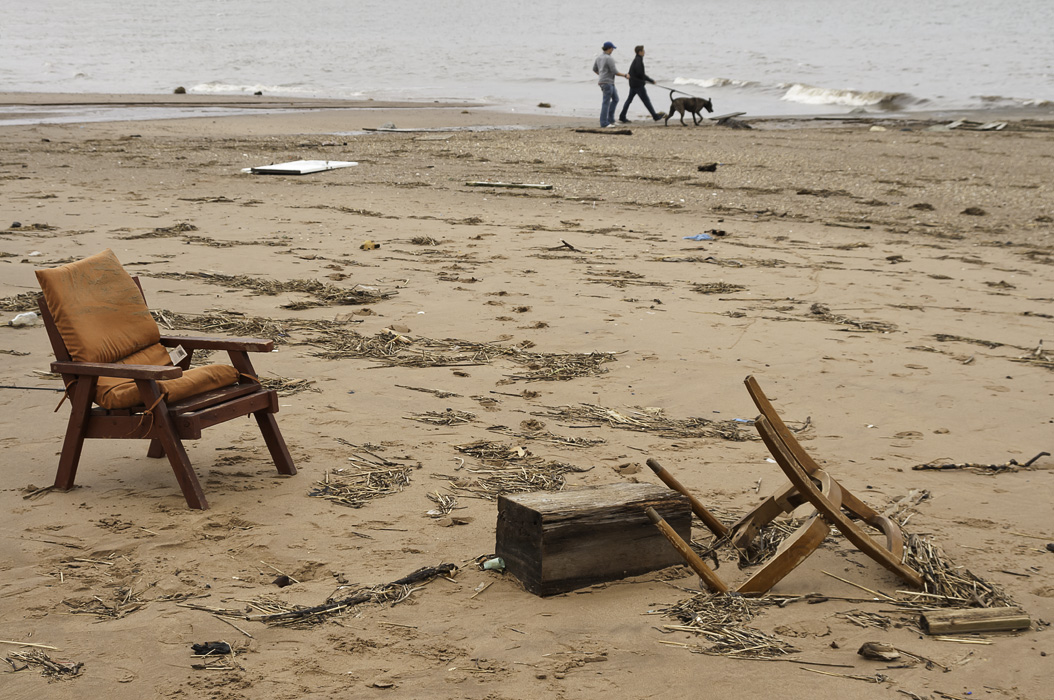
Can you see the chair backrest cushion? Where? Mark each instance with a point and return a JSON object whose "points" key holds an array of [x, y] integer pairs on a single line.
{"points": [[98, 309]]}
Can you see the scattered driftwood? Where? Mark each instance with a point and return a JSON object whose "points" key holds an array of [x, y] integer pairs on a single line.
{"points": [[974, 620], [944, 464], [654, 420], [717, 288], [26, 301], [944, 584], [357, 488], [542, 435], [388, 593], [288, 387], [606, 131], [50, 668], [439, 394], [721, 619]]}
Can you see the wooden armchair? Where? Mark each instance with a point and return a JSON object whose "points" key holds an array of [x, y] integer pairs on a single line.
{"points": [[121, 381]]}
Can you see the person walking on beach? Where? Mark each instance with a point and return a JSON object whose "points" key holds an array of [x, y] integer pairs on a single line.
{"points": [[605, 68], [637, 81]]}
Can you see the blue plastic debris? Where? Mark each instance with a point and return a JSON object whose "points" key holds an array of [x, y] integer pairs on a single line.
{"points": [[699, 237]]}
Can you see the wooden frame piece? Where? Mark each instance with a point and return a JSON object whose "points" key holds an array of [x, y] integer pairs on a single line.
{"points": [[165, 425]]}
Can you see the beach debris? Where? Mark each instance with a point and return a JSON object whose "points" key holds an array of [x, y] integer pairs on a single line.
{"points": [[606, 131], [974, 211], [699, 237], [369, 245], [946, 585], [444, 504], [27, 318], [357, 488], [822, 312], [26, 301], [288, 387], [49, 668], [1005, 619], [653, 420], [721, 618], [180, 91], [506, 469], [323, 294], [277, 613], [447, 417], [944, 464], [876, 127], [299, 167], [708, 168], [717, 288], [544, 105], [878, 651], [542, 435], [211, 648], [493, 564], [518, 185], [438, 393]]}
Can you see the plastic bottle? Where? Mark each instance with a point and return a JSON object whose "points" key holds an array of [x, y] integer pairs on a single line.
{"points": [[26, 319]]}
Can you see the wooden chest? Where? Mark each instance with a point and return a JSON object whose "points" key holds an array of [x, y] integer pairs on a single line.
{"points": [[555, 542]]}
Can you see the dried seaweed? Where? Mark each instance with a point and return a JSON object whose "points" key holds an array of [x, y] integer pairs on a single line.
{"points": [[286, 386], [823, 313], [945, 464], [722, 618], [125, 602], [865, 619], [163, 232], [946, 337], [945, 584], [546, 436], [26, 301], [447, 417], [717, 288], [654, 420], [508, 469], [323, 294], [356, 489]]}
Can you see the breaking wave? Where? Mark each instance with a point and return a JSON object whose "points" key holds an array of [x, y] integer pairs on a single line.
{"points": [[716, 82], [217, 88], [812, 95]]}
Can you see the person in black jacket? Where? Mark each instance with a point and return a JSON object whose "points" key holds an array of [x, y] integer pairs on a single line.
{"points": [[637, 80]]}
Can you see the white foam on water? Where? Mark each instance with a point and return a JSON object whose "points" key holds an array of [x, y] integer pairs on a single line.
{"points": [[813, 95]]}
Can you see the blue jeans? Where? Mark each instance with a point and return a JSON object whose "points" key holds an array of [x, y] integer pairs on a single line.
{"points": [[607, 107], [633, 92]]}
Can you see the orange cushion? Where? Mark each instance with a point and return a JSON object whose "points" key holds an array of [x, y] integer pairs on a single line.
{"points": [[123, 393], [98, 309]]}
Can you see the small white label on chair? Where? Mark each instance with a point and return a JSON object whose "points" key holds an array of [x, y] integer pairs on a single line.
{"points": [[177, 354]]}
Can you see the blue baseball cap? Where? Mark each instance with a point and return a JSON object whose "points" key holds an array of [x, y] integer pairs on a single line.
{"points": [[609, 45]]}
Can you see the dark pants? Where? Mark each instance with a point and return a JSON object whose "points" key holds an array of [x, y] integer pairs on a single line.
{"points": [[633, 92]]}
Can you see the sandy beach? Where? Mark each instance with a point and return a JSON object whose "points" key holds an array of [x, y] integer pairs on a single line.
{"points": [[888, 284]]}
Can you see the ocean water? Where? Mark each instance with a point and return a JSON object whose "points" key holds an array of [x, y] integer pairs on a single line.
{"points": [[763, 57]]}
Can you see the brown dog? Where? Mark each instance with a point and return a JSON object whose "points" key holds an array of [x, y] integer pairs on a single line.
{"points": [[695, 105]]}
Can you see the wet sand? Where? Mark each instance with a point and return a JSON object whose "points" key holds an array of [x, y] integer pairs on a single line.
{"points": [[891, 287]]}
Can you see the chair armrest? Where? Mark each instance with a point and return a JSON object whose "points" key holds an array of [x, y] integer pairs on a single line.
{"points": [[113, 369], [243, 344]]}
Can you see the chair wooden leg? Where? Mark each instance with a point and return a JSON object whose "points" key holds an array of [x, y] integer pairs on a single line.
{"points": [[166, 434], [275, 443], [75, 432], [155, 450]]}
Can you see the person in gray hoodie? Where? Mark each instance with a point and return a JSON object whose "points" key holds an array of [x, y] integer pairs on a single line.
{"points": [[605, 68]]}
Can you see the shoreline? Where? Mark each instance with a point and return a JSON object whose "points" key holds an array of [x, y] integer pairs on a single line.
{"points": [[23, 109]]}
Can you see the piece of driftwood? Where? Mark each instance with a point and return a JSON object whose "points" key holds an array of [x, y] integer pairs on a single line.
{"points": [[878, 651], [974, 620], [557, 542], [518, 185], [609, 132]]}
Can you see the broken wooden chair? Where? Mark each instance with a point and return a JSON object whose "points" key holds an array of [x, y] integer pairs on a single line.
{"points": [[791, 552], [110, 352], [800, 469]]}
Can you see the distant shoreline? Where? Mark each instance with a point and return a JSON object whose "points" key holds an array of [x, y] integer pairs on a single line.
{"points": [[24, 108]]}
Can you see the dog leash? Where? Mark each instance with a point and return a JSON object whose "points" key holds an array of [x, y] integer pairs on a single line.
{"points": [[680, 91]]}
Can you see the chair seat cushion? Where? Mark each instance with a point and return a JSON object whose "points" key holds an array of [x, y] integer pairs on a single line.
{"points": [[123, 393]]}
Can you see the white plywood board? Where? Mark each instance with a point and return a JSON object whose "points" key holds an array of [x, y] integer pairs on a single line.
{"points": [[299, 167]]}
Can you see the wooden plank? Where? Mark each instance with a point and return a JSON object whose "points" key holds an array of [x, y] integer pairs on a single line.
{"points": [[557, 542], [519, 185], [974, 620]]}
